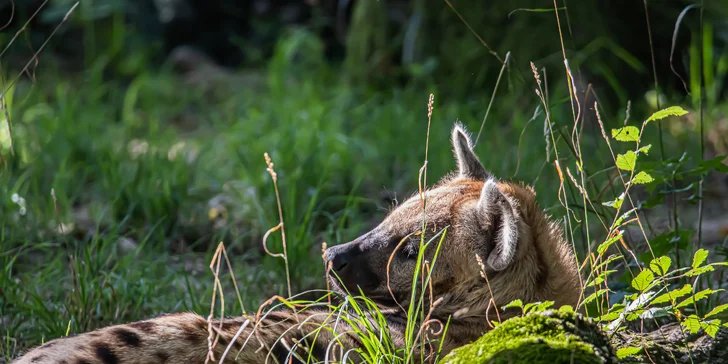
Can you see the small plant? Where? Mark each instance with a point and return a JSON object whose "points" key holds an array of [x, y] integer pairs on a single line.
{"points": [[659, 286]]}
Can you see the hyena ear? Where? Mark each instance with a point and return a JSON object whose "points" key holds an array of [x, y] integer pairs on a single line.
{"points": [[495, 209], [468, 164]]}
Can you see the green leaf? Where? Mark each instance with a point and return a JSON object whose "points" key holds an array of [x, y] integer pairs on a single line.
{"points": [[593, 296], [654, 312], [673, 295], [712, 164], [605, 245], [699, 258], [642, 178], [643, 280], [628, 351], [661, 265], [626, 161], [607, 261], [600, 278], [698, 271], [692, 323], [528, 306], [670, 111], [711, 327], [609, 316], [697, 297], [626, 134], [566, 308], [623, 217], [645, 149], [616, 203], [514, 303], [543, 306], [716, 310]]}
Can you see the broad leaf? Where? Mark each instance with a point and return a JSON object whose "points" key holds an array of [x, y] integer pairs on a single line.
{"points": [[609, 316], [642, 178], [698, 271], [600, 278], [616, 203], [543, 306], [605, 245], [673, 295], [692, 323], [643, 280], [593, 296], [712, 164], [654, 312], [629, 351], [606, 262], [661, 265], [626, 161], [711, 327], [697, 297], [623, 217], [645, 149], [514, 303], [626, 134], [670, 111], [716, 310], [699, 258], [566, 308], [634, 315]]}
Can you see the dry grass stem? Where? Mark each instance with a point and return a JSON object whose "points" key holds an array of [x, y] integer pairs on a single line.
{"points": [[492, 299], [284, 255]]}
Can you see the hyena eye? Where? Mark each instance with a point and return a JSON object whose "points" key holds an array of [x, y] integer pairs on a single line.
{"points": [[406, 249], [410, 249]]}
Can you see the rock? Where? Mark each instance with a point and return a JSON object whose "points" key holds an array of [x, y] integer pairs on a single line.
{"points": [[554, 337], [672, 344], [549, 337]]}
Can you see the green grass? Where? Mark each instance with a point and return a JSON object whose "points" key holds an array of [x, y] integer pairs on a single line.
{"points": [[103, 148], [106, 148]]}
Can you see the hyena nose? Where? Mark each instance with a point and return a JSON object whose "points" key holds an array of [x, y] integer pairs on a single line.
{"points": [[339, 257], [340, 262]]}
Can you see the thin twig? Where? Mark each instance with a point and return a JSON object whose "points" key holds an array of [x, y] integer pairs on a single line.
{"points": [[492, 97]]}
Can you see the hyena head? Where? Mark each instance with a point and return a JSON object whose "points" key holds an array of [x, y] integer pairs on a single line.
{"points": [[469, 215]]}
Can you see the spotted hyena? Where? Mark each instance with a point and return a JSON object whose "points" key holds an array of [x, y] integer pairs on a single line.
{"points": [[469, 215]]}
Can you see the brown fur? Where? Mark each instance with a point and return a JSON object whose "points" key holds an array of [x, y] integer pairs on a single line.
{"points": [[523, 254]]}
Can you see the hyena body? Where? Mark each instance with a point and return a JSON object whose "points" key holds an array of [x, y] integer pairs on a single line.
{"points": [[524, 256]]}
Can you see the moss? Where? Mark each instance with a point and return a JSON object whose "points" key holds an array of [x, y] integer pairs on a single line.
{"points": [[549, 337], [672, 344]]}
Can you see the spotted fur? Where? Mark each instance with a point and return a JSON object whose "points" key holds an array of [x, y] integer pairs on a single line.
{"points": [[523, 254]]}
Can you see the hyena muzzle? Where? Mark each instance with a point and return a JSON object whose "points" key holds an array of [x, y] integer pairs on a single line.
{"points": [[468, 216]]}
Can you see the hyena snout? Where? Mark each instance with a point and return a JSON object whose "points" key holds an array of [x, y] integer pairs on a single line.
{"points": [[341, 257], [349, 264]]}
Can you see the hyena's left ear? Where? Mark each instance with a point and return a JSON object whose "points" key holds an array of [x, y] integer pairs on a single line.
{"points": [[468, 164], [494, 208]]}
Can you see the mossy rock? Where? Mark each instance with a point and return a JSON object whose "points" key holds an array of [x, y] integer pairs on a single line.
{"points": [[550, 337], [671, 343]]}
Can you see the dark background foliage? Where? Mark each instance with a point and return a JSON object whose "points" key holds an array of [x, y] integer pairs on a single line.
{"points": [[139, 131]]}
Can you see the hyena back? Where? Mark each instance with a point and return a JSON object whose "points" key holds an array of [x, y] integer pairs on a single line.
{"points": [[524, 256]]}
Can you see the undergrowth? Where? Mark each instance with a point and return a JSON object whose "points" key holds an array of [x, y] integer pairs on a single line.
{"points": [[115, 194]]}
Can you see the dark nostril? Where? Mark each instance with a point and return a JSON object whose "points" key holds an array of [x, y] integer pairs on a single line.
{"points": [[340, 266], [339, 262]]}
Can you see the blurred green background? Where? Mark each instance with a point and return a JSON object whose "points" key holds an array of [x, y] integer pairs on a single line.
{"points": [[138, 127]]}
